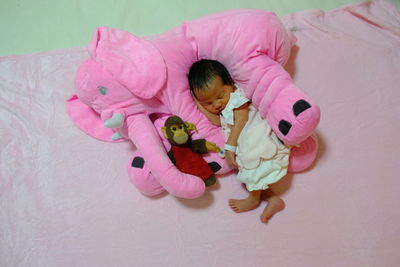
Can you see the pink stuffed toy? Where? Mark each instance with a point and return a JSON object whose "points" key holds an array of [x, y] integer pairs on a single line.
{"points": [[130, 85]]}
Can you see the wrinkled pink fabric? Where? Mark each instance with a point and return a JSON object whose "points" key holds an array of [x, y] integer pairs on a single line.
{"points": [[65, 199], [135, 78]]}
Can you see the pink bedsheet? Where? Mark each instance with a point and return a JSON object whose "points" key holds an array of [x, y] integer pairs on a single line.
{"points": [[58, 209]]}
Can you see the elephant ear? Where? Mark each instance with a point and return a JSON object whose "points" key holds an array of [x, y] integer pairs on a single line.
{"points": [[135, 63]]}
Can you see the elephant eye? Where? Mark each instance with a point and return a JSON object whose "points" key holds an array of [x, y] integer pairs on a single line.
{"points": [[102, 90]]}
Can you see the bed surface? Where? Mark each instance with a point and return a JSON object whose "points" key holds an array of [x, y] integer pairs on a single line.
{"points": [[66, 200]]}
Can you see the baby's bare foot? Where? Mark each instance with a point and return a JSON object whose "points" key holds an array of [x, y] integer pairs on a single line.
{"points": [[275, 204], [240, 205]]}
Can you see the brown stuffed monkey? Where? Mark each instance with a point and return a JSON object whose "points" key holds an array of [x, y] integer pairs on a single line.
{"points": [[185, 153]]}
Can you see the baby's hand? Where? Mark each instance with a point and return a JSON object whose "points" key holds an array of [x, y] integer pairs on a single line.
{"points": [[212, 147], [230, 157], [213, 118]]}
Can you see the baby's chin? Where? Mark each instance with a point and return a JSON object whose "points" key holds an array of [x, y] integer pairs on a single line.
{"points": [[215, 112]]}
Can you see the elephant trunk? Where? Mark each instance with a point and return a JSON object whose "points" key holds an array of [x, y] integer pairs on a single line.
{"points": [[147, 140]]}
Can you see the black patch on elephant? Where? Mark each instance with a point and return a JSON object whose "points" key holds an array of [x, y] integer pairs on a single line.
{"points": [[214, 166], [138, 162], [284, 127], [300, 106]]}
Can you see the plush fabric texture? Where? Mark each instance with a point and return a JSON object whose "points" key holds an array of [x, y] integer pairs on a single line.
{"points": [[65, 198], [128, 79]]}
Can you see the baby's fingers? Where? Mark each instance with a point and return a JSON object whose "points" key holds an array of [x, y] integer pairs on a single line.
{"points": [[231, 160]]}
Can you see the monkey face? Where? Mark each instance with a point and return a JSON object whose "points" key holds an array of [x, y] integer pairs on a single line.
{"points": [[179, 134], [176, 130]]}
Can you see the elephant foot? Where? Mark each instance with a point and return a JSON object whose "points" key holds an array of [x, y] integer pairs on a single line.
{"points": [[293, 117], [173, 181], [217, 164], [303, 156], [214, 166], [141, 177]]}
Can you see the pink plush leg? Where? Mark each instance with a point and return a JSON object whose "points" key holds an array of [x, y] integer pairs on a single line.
{"points": [[147, 141], [141, 177], [293, 116], [302, 157]]}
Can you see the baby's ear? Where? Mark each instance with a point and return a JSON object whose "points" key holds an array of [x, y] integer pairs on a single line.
{"points": [[164, 131], [191, 127]]}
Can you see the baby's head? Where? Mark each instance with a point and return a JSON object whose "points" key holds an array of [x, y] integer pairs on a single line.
{"points": [[211, 84]]}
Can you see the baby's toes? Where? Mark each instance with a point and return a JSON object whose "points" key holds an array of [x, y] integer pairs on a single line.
{"points": [[232, 202]]}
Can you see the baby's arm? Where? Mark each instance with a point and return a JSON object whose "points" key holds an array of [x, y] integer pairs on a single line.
{"points": [[241, 115], [213, 118]]}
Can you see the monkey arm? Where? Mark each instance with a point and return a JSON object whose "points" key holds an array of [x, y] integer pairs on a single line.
{"points": [[199, 146], [212, 147]]}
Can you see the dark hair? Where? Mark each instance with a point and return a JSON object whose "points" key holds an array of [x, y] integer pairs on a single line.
{"points": [[202, 71]]}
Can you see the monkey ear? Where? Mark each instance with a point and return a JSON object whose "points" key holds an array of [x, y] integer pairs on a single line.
{"points": [[164, 131], [191, 127]]}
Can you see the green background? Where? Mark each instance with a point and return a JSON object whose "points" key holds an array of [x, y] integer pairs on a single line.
{"points": [[30, 26]]}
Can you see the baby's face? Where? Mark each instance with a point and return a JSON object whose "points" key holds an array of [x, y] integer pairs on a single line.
{"points": [[215, 97]]}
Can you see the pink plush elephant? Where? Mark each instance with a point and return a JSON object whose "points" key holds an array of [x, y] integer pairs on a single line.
{"points": [[129, 85]]}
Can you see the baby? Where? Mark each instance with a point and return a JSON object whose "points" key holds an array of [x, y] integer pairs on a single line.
{"points": [[250, 145]]}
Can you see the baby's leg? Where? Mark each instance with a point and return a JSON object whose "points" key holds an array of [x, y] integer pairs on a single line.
{"points": [[275, 204], [251, 202]]}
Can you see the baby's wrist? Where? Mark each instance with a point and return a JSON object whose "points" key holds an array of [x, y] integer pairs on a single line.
{"points": [[230, 148]]}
